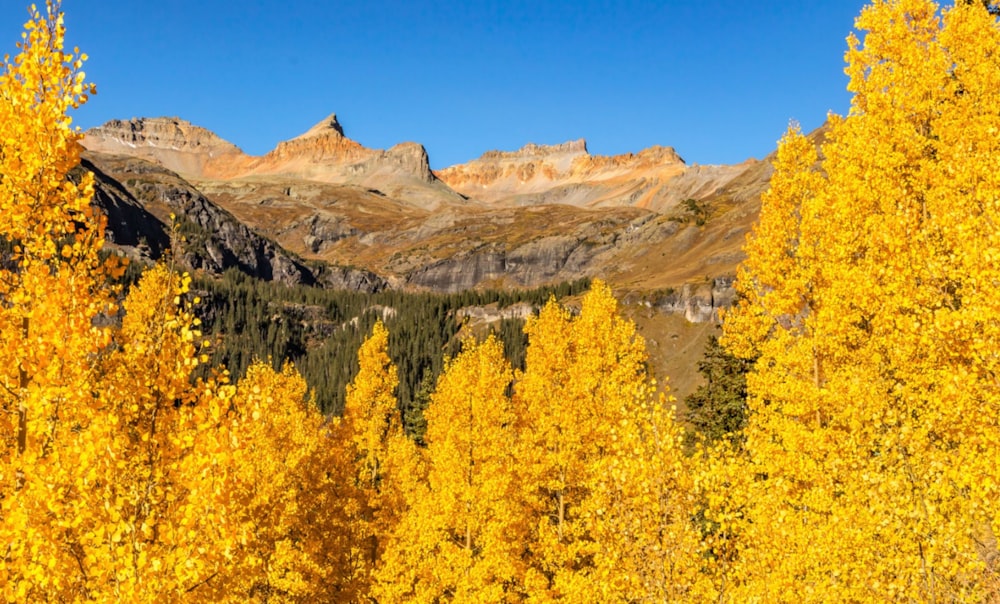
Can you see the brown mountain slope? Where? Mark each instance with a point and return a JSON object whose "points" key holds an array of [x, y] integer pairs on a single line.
{"points": [[455, 248]]}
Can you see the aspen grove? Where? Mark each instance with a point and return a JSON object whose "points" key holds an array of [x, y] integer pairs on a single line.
{"points": [[867, 468]]}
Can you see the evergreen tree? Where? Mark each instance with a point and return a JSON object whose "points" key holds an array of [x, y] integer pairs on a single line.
{"points": [[718, 407]]}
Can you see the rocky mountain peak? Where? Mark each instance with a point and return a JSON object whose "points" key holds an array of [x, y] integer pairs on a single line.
{"points": [[329, 125], [169, 133], [323, 144], [405, 158], [174, 143]]}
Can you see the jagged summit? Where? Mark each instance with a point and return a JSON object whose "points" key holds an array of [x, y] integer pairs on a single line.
{"points": [[328, 125], [321, 154], [654, 178]]}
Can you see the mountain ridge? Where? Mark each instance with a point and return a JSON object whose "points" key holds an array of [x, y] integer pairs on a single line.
{"points": [[322, 153], [534, 174], [615, 217]]}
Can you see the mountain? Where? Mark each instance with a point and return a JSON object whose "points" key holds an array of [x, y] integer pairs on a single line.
{"points": [[537, 215], [321, 154], [173, 143], [324, 210], [152, 209], [655, 178]]}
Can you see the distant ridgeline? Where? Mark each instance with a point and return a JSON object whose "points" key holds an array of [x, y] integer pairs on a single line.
{"points": [[321, 330]]}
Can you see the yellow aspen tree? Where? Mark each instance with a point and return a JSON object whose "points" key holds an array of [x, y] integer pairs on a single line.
{"points": [[581, 373], [463, 539], [371, 424], [126, 517], [403, 490], [123, 478], [642, 506], [96, 419], [869, 294], [370, 409], [289, 497], [142, 505], [51, 282]]}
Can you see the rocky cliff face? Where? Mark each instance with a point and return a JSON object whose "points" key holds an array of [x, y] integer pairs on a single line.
{"points": [[531, 151], [139, 196], [698, 302], [405, 158], [498, 174], [546, 259], [131, 229]]}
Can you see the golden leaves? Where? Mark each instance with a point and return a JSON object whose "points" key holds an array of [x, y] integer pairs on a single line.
{"points": [[575, 490], [863, 295], [869, 471], [461, 537]]}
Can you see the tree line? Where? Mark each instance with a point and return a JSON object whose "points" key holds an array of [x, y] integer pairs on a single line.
{"points": [[318, 330]]}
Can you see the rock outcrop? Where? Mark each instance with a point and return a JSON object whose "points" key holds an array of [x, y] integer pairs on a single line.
{"points": [[139, 197], [353, 279], [171, 142], [697, 302]]}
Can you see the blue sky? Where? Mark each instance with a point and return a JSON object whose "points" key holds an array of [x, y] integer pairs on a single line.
{"points": [[718, 81]]}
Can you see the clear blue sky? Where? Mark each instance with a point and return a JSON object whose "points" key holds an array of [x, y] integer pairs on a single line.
{"points": [[718, 81]]}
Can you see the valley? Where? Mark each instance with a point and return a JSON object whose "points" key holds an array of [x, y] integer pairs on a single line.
{"points": [[322, 210]]}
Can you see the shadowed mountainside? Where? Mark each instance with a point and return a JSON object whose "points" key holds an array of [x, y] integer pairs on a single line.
{"points": [[140, 198]]}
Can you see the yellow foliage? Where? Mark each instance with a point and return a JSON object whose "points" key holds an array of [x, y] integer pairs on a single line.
{"points": [[288, 496], [870, 295], [869, 468], [461, 539], [122, 477], [370, 408], [600, 465], [382, 454]]}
